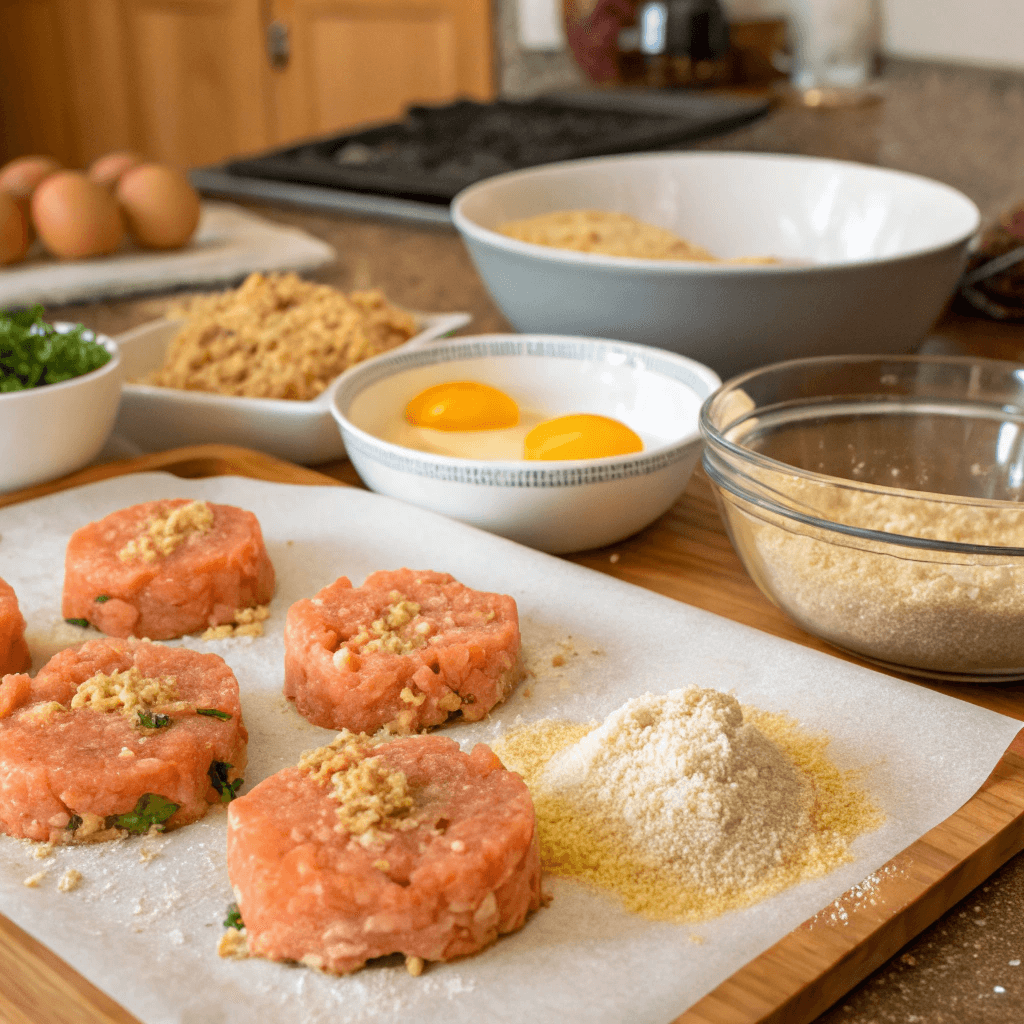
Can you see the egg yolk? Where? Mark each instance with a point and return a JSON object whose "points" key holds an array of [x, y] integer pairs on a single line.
{"points": [[581, 436], [462, 405]]}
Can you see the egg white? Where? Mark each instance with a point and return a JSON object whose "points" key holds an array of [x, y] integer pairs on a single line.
{"points": [[505, 444]]}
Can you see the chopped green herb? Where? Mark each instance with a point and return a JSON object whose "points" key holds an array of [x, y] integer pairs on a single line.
{"points": [[218, 772], [77, 622], [213, 713], [234, 918], [34, 353], [74, 823], [150, 720], [152, 809], [102, 598]]}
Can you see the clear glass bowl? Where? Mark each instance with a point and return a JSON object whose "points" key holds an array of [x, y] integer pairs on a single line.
{"points": [[878, 501]]}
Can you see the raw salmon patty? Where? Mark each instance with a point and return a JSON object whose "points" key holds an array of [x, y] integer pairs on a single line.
{"points": [[166, 568], [115, 736], [368, 848], [402, 652], [14, 654]]}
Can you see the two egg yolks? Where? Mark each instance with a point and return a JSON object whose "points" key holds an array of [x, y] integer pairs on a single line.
{"points": [[467, 405]]}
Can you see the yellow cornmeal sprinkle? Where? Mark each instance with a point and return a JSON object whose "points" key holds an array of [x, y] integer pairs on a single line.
{"points": [[126, 692], [163, 533], [573, 845], [371, 795]]}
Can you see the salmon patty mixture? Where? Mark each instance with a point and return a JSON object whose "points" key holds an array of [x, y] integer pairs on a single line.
{"points": [[166, 568], [14, 653], [402, 652], [115, 737], [373, 847]]}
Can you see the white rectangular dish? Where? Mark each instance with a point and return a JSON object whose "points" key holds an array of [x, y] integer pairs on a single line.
{"points": [[145, 921], [157, 418]]}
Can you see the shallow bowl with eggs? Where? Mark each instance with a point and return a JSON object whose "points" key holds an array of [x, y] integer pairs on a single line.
{"points": [[54, 429], [867, 256], [482, 477]]}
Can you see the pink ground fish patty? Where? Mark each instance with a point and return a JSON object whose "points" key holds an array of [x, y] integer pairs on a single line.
{"points": [[112, 722], [14, 653], [166, 568], [409, 846], [402, 652]]}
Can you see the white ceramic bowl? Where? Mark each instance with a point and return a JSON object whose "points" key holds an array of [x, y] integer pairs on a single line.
{"points": [[555, 506], [156, 418], [879, 253], [57, 428]]}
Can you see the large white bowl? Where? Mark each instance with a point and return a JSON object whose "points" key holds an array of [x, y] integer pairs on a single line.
{"points": [[555, 506], [876, 254], [55, 429], [157, 418]]}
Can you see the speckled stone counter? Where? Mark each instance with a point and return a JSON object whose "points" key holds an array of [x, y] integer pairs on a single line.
{"points": [[961, 126]]}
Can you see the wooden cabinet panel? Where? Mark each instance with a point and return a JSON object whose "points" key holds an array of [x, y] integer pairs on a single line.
{"points": [[190, 81], [356, 61], [198, 78]]}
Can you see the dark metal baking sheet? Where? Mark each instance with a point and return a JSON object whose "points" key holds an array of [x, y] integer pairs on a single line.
{"points": [[411, 169]]}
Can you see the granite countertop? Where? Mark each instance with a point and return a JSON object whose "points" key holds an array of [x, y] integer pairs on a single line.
{"points": [[959, 125]]}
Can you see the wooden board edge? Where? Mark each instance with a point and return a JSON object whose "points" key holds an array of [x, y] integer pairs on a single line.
{"points": [[202, 460], [796, 980]]}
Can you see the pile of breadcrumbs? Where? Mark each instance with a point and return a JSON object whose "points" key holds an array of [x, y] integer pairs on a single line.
{"points": [[277, 336]]}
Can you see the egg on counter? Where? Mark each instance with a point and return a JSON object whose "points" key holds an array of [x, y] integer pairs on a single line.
{"points": [[21, 175], [75, 218], [469, 420], [106, 170], [159, 205], [14, 235]]}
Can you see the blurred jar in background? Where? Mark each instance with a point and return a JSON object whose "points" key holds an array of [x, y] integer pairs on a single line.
{"points": [[835, 47]]}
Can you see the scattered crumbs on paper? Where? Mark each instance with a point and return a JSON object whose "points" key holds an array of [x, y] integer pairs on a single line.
{"points": [[864, 894], [697, 940], [70, 880], [233, 945], [42, 850], [32, 882], [147, 853]]}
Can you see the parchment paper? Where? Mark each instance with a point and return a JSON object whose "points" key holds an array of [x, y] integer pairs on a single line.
{"points": [[228, 244], [146, 930]]}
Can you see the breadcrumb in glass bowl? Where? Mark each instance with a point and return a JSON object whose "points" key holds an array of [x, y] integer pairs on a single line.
{"points": [[879, 501]]}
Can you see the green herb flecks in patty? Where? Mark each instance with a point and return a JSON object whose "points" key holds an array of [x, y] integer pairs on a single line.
{"points": [[218, 772], [152, 809]]}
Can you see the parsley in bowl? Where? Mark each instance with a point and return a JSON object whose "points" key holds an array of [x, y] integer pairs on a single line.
{"points": [[60, 386], [34, 353]]}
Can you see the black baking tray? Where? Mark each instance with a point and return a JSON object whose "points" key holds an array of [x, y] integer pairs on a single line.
{"points": [[436, 151]]}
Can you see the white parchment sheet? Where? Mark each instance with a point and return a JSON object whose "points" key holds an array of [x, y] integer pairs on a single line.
{"points": [[145, 921]]}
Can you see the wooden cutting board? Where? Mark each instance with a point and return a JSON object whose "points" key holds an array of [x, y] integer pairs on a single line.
{"points": [[685, 555]]}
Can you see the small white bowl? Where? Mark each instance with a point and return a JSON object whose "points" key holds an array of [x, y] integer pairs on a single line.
{"points": [[57, 428], [158, 418], [554, 506], [873, 254]]}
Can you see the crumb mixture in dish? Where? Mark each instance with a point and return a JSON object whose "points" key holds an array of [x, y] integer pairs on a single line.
{"points": [[686, 805], [924, 609], [610, 233], [277, 336]]}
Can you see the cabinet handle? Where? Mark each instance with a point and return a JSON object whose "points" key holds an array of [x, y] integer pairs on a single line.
{"points": [[278, 44]]}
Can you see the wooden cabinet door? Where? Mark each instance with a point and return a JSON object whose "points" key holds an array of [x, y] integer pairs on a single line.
{"points": [[352, 62], [198, 78]]}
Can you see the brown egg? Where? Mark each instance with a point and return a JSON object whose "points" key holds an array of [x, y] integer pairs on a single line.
{"points": [[160, 207], [106, 170], [21, 175], [76, 218], [13, 230]]}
